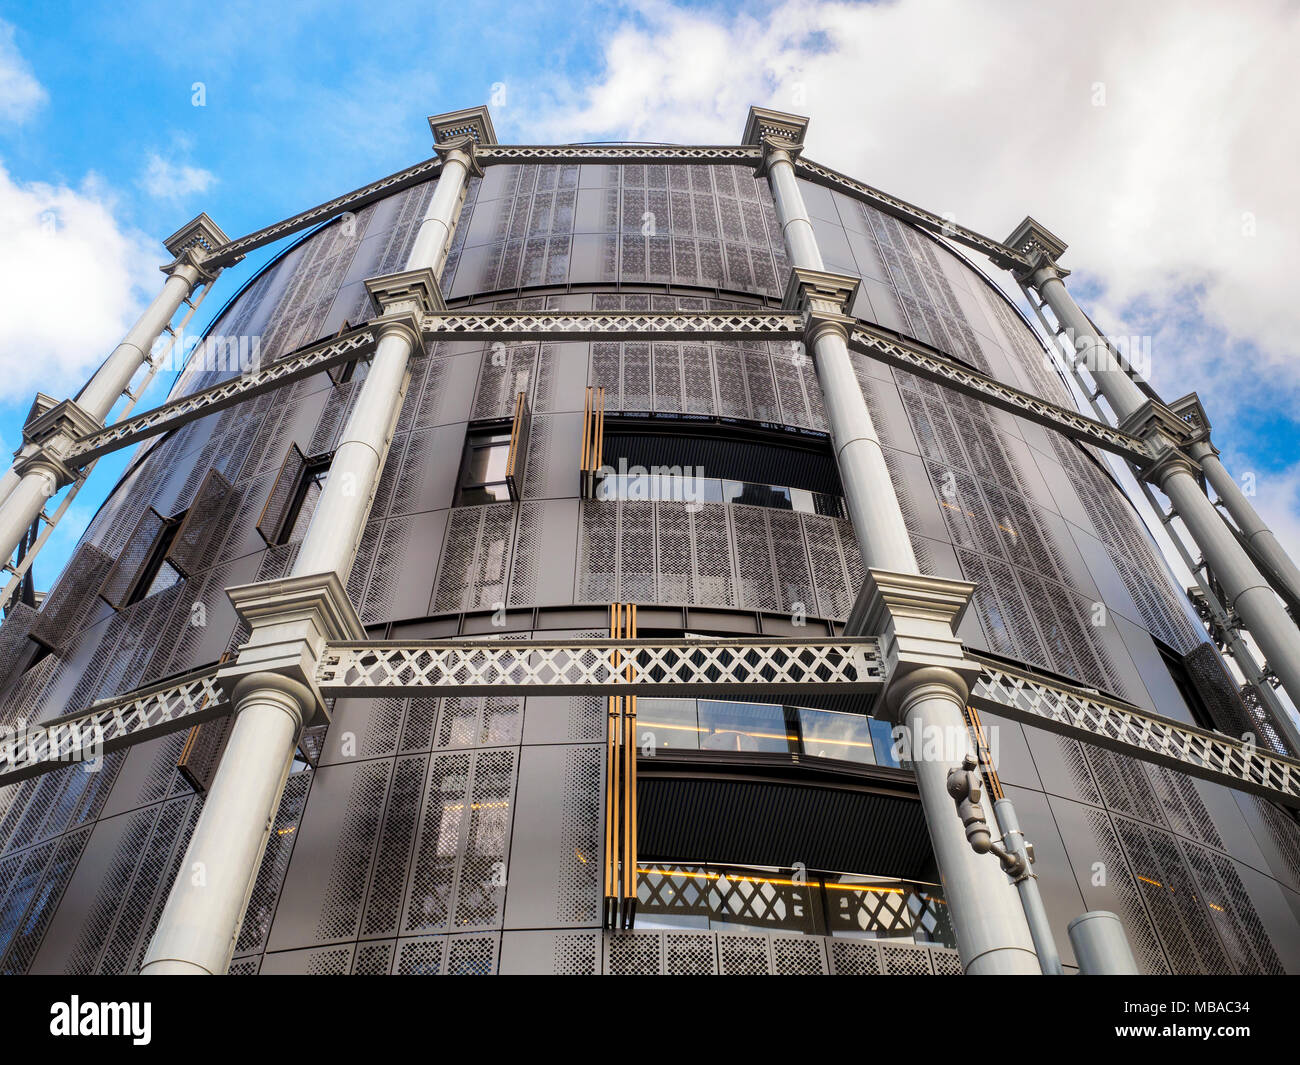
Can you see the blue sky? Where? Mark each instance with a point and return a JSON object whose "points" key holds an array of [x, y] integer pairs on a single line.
{"points": [[1159, 142]]}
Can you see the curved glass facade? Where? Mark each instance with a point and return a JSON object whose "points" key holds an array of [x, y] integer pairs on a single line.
{"points": [[383, 853]]}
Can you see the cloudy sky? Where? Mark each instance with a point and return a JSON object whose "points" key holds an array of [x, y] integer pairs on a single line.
{"points": [[1159, 139]]}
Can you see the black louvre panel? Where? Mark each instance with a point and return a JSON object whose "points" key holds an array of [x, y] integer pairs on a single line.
{"points": [[133, 559], [280, 500], [67, 608], [189, 550]]}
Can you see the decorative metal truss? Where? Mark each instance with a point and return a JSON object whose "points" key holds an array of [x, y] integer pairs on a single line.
{"points": [[926, 362], [172, 415], [725, 155], [515, 327], [548, 325], [1097, 718], [686, 668], [1001, 254], [112, 724], [349, 201]]}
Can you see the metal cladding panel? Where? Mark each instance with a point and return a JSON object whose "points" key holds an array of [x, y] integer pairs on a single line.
{"points": [[772, 824], [324, 889], [556, 857], [544, 555], [73, 601], [1107, 882]]}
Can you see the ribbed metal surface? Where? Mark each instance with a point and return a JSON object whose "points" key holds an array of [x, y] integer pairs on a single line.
{"points": [[748, 822]]}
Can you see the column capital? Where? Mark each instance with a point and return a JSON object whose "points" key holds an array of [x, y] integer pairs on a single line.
{"points": [[292, 620], [1192, 413], [406, 290], [776, 150], [1166, 435], [464, 148], [1041, 246], [472, 122], [915, 617], [193, 242], [402, 299], [49, 420], [823, 298], [763, 123]]}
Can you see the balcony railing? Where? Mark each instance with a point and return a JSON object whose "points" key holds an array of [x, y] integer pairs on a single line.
{"points": [[736, 898]]}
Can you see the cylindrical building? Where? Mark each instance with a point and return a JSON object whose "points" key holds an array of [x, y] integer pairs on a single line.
{"points": [[697, 481]]}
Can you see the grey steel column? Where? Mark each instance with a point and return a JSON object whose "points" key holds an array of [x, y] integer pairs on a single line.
{"points": [[39, 471], [1248, 593], [1252, 526], [992, 935], [200, 925], [1247, 590], [199, 928], [1120, 391]]}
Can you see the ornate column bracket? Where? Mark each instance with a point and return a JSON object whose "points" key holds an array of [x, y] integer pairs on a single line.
{"points": [[916, 619], [823, 299], [1039, 246], [401, 300], [193, 244], [51, 434], [1166, 436], [292, 621]]}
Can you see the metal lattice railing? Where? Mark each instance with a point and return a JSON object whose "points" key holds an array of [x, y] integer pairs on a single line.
{"points": [[1099, 719], [594, 667], [676, 668], [111, 724], [928, 363], [771, 325]]}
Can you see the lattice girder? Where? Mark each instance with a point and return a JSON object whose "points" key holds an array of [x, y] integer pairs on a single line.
{"points": [[355, 344], [1099, 719], [542, 325], [928, 363], [112, 724], [590, 667]]}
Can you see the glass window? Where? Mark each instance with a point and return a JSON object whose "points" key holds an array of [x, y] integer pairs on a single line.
{"points": [[483, 469], [827, 734], [745, 727], [158, 574], [304, 506], [883, 736], [672, 723]]}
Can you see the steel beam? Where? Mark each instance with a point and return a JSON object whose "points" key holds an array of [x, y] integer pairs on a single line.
{"points": [[112, 724], [678, 668], [924, 361], [1096, 718], [300, 364], [614, 325]]}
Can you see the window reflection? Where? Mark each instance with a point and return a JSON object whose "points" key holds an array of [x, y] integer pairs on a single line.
{"points": [[684, 489], [721, 725]]}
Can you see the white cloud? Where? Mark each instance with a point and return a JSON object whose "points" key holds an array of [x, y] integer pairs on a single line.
{"points": [[20, 93], [1159, 140], [166, 180], [72, 278], [988, 111]]}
